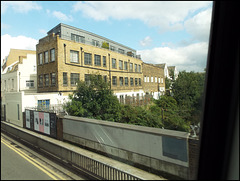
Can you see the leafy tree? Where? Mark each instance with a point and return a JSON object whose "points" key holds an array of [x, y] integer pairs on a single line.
{"points": [[95, 100], [168, 109], [188, 91]]}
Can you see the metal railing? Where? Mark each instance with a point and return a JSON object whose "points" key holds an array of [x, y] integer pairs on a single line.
{"points": [[100, 170]]}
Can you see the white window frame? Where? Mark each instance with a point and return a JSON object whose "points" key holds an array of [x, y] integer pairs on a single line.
{"points": [[74, 56]]}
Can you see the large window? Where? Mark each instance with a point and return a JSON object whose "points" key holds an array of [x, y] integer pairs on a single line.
{"points": [[114, 63], [140, 83], [104, 61], [121, 81], [87, 58], [77, 38], [53, 78], [40, 80], [135, 65], [125, 66], [40, 57], [131, 81], [74, 79], [136, 81], [52, 55], [74, 56], [97, 60], [46, 57], [114, 80], [120, 51], [120, 64], [46, 79], [126, 81], [65, 79], [29, 83], [131, 67]]}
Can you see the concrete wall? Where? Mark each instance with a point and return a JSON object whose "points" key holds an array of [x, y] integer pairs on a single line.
{"points": [[160, 150]]}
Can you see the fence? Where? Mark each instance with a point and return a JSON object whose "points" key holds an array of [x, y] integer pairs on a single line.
{"points": [[136, 100]]}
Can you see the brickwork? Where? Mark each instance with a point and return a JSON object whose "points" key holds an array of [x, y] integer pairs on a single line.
{"points": [[152, 82], [63, 64]]}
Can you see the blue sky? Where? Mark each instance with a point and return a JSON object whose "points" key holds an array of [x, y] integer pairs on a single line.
{"points": [[169, 32]]}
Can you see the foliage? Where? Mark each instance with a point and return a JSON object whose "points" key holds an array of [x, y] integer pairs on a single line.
{"points": [[96, 100], [188, 92], [105, 45]]}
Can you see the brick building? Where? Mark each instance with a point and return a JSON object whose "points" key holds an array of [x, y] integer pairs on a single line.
{"points": [[68, 54]]}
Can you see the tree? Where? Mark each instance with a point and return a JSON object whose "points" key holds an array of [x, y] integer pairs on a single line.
{"points": [[168, 110], [105, 45], [188, 92], [94, 99]]}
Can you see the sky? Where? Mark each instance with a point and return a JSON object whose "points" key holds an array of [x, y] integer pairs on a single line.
{"points": [[171, 32]]}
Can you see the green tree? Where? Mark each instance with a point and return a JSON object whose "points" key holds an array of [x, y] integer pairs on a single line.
{"points": [[168, 110], [188, 92], [94, 99]]}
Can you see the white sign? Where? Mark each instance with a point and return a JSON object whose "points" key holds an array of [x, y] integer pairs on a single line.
{"points": [[36, 121], [46, 123]]}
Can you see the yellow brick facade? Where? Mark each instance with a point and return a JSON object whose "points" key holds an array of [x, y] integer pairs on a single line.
{"points": [[63, 64], [153, 77]]}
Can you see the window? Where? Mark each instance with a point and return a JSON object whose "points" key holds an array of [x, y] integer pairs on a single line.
{"points": [[46, 78], [105, 78], [74, 56], [120, 51], [126, 81], [104, 61], [125, 66], [114, 80], [161, 80], [74, 79], [40, 58], [131, 81], [29, 83], [97, 60], [77, 38], [44, 104], [114, 63], [155, 79], [136, 81], [95, 43], [52, 55], [145, 79], [40, 80], [158, 80], [112, 48], [46, 57], [121, 81], [140, 83], [139, 68], [65, 79], [131, 67], [151, 79], [87, 58], [12, 84], [135, 65], [53, 78], [120, 64], [87, 79]]}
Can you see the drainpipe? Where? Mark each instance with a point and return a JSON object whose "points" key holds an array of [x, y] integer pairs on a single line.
{"points": [[81, 56], [64, 52], [109, 72], [19, 81]]}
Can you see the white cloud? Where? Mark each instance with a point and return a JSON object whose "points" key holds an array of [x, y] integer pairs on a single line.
{"points": [[61, 16], [19, 42], [165, 15], [146, 41], [19, 6], [190, 58], [199, 25]]}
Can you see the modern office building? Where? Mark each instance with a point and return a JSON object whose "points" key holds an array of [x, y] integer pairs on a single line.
{"points": [[68, 54]]}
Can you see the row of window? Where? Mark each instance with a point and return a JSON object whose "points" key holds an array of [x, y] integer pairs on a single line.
{"points": [[44, 57], [81, 39], [46, 80], [157, 79], [29, 83], [75, 77], [123, 65]]}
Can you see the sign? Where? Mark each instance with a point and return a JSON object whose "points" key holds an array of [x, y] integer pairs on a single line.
{"points": [[36, 121], [28, 119], [46, 124]]}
